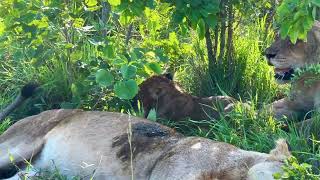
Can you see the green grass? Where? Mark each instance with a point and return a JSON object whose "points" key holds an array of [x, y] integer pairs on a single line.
{"points": [[250, 77], [5, 125]]}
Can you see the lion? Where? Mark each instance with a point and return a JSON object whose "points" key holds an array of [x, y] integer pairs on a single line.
{"points": [[171, 102], [288, 60], [108, 145]]}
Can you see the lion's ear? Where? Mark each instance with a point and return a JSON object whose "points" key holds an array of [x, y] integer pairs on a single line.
{"points": [[281, 151]]}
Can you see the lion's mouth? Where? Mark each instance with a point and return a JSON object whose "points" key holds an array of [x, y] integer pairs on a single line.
{"points": [[284, 74]]}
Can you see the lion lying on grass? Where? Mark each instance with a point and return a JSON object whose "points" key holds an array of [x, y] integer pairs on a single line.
{"points": [[97, 144], [287, 58], [170, 102]]}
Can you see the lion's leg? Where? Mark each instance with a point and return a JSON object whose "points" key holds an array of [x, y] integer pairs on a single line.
{"points": [[284, 108], [219, 103], [223, 100], [166, 111], [17, 152]]}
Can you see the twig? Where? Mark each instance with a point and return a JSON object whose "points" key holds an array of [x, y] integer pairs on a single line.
{"points": [[128, 35]]}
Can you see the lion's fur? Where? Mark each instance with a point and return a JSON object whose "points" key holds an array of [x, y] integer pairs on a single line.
{"points": [[303, 98], [109, 145], [171, 102]]}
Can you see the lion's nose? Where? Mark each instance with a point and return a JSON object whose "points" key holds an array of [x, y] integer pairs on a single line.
{"points": [[270, 55]]}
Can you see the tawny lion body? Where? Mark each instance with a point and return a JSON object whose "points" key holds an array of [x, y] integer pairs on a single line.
{"points": [[171, 102], [95, 144], [286, 58]]}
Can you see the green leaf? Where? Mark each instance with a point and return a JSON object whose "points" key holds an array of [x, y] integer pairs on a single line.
{"points": [[268, 5], [293, 34], [284, 29], [78, 22], [78, 88], [76, 55], [150, 55], [308, 23], [152, 116], [126, 89], [128, 71], [119, 62], [161, 55], [201, 28], [298, 15], [177, 17], [91, 3], [125, 18], [139, 52], [114, 2], [68, 46], [104, 78], [277, 175], [173, 39], [183, 29], [109, 51], [155, 67], [42, 23], [212, 20], [316, 2]]}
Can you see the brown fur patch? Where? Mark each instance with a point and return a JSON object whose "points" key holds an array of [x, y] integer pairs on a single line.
{"points": [[171, 102], [145, 138]]}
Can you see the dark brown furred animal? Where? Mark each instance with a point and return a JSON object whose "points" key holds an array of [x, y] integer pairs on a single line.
{"points": [[171, 102]]}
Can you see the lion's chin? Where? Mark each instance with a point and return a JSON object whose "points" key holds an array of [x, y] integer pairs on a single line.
{"points": [[283, 75]]}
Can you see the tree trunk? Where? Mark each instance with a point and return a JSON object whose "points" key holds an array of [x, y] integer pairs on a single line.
{"points": [[222, 32], [211, 57], [216, 42], [230, 36], [105, 14], [129, 33]]}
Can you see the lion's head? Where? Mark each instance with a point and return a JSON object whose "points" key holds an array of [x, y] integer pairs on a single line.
{"points": [[157, 88], [286, 56]]}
